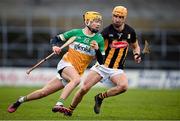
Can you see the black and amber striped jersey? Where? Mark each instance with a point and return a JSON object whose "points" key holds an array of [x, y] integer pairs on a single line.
{"points": [[115, 57]]}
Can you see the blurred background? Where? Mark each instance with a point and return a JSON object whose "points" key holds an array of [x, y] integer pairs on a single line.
{"points": [[26, 27]]}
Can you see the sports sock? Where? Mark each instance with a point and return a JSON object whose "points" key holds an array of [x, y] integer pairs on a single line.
{"points": [[103, 95], [71, 107], [60, 102], [22, 99]]}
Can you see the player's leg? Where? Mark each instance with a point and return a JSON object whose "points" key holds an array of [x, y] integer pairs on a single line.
{"points": [[52, 86], [98, 100], [68, 73], [121, 82], [91, 79], [71, 74]]}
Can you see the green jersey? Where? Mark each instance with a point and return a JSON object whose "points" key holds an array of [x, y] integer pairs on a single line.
{"points": [[80, 53]]}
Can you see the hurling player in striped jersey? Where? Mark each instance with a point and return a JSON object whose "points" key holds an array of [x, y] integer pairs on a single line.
{"points": [[111, 72]]}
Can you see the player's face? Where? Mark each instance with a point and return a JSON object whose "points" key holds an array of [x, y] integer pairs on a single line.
{"points": [[118, 20], [96, 24]]}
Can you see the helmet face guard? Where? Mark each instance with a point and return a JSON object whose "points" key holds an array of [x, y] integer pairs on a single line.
{"points": [[91, 16]]}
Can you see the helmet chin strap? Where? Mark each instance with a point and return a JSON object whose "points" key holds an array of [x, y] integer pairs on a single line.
{"points": [[91, 29]]}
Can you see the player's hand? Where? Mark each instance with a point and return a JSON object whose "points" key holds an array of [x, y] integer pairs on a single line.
{"points": [[56, 49], [137, 58], [94, 45]]}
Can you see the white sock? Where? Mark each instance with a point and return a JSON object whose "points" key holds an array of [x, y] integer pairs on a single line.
{"points": [[22, 99], [59, 103]]}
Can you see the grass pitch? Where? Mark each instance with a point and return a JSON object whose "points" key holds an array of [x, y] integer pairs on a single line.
{"points": [[135, 104]]}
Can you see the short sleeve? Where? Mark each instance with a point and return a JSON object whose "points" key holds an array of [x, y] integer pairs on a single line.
{"points": [[69, 34]]}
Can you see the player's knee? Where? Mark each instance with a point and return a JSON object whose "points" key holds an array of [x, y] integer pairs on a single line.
{"points": [[85, 89], [76, 82], [122, 88]]}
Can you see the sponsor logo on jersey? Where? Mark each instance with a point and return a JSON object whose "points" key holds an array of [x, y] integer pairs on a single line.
{"points": [[83, 48], [120, 44]]}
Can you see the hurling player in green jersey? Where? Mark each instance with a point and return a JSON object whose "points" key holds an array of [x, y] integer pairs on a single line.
{"points": [[87, 44]]}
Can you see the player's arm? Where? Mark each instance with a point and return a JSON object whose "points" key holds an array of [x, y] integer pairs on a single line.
{"points": [[135, 47], [136, 51], [99, 55], [61, 37], [55, 41]]}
